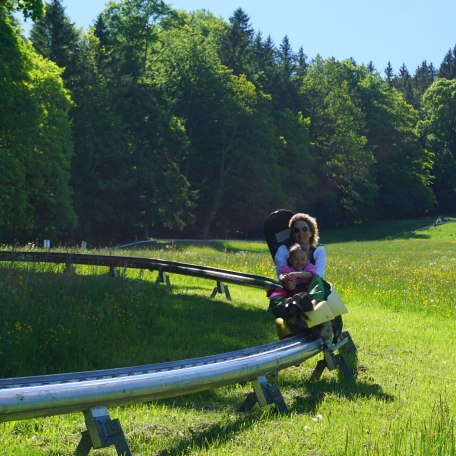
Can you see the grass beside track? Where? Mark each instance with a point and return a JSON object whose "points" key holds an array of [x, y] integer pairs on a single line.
{"points": [[401, 296]]}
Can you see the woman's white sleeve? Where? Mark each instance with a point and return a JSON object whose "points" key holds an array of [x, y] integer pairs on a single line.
{"points": [[320, 261], [280, 258]]}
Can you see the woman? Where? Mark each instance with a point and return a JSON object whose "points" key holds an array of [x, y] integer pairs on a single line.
{"points": [[304, 231]]}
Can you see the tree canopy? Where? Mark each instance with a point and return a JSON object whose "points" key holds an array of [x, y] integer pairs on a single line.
{"points": [[161, 122]]}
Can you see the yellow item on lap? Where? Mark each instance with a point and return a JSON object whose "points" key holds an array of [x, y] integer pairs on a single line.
{"points": [[326, 310]]}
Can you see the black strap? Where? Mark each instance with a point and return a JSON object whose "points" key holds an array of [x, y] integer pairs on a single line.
{"points": [[311, 255]]}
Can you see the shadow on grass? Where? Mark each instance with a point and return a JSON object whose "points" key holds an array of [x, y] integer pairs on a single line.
{"points": [[222, 431], [215, 432], [414, 235], [316, 392], [377, 231], [350, 388], [55, 323]]}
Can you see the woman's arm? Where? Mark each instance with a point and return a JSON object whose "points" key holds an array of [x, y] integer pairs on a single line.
{"points": [[280, 259], [320, 261]]}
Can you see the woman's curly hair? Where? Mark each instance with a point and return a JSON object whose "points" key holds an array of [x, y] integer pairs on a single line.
{"points": [[311, 221]]}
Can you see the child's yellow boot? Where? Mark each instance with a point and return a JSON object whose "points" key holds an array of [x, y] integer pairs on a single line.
{"points": [[282, 328]]}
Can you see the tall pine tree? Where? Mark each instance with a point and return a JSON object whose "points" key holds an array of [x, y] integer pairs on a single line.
{"points": [[447, 68]]}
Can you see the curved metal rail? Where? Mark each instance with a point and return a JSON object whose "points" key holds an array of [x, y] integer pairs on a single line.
{"points": [[151, 264], [47, 395]]}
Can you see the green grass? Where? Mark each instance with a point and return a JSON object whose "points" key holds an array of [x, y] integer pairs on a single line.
{"points": [[381, 230], [402, 306]]}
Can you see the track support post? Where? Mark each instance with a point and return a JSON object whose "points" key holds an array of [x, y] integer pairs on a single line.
{"points": [[221, 288], [102, 432], [69, 269], [163, 278], [333, 361], [113, 272], [265, 393]]}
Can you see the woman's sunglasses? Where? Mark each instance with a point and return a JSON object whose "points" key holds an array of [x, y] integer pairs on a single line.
{"points": [[297, 230]]}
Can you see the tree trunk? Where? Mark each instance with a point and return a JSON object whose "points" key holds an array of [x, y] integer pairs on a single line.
{"points": [[218, 193]]}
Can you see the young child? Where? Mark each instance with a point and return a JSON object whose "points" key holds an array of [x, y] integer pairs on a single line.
{"points": [[302, 288], [297, 274]]}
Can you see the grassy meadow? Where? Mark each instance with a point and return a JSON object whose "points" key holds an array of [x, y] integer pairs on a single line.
{"points": [[399, 287]]}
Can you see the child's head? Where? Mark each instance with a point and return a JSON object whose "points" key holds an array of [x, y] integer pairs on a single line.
{"points": [[298, 257]]}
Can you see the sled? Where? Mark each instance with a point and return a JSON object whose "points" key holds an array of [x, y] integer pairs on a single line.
{"points": [[276, 233]]}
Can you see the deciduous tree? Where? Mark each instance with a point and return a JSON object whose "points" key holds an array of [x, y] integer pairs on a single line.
{"points": [[35, 143], [438, 129]]}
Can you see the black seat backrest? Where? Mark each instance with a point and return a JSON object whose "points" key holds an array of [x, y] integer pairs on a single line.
{"points": [[276, 231]]}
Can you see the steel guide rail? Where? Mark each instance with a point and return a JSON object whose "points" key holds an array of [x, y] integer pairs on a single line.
{"points": [[151, 264], [39, 396], [18, 382]]}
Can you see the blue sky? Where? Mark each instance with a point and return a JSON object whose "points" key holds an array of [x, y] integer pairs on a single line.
{"points": [[399, 31]]}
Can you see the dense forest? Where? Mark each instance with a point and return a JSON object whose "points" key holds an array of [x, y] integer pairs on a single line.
{"points": [[159, 122]]}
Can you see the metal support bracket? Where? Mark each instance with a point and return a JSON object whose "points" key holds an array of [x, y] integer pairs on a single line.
{"points": [[333, 361], [221, 288], [102, 432], [163, 278], [113, 272], [349, 345], [69, 269], [265, 393]]}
